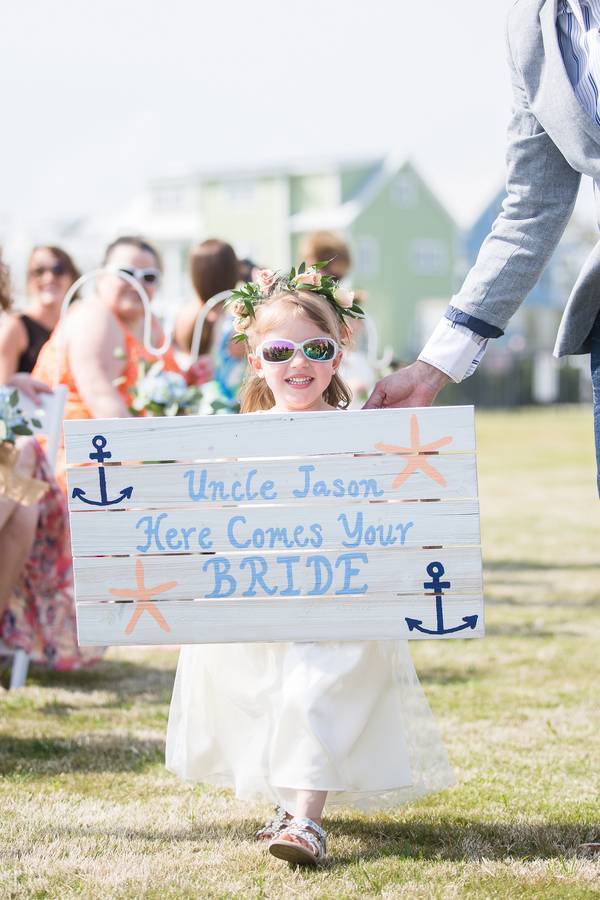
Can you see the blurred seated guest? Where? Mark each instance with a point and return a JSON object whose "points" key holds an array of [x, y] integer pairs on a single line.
{"points": [[356, 369], [248, 270], [50, 274], [324, 246], [95, 352], [214, 268], [37, 610]]}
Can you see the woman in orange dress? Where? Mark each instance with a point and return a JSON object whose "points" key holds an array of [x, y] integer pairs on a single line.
{"points": [[96, 350]]}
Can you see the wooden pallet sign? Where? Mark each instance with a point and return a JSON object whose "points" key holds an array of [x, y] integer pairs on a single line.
{"points": [[274, 527]]}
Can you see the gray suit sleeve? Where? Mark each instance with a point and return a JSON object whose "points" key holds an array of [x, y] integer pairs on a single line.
{"points": [[541, 189]]}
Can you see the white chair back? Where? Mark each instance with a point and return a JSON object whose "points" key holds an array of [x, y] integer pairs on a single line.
{"points": [[378, 363], [199, 326], [49, 412]]}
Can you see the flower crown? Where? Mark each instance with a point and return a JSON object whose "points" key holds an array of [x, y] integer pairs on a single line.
{"points": [[251, 294]]}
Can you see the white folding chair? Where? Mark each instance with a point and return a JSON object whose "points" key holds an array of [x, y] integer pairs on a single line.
{"points": [[49, 412], [200, 321]]}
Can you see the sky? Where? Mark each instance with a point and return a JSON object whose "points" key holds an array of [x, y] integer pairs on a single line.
{"points": [[99, 97]]}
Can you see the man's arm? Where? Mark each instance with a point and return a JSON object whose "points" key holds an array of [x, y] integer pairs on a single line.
{"points": [[541, 192]]}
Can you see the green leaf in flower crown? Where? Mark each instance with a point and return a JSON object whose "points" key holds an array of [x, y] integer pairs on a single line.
{"points": [[355, 308], [323, 263], [14, 398], [22, 429], [292, 274], [36, 423], [302, 268], [238, 338], [249, 306]]}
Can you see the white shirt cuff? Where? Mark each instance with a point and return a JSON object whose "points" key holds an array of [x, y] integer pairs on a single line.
{"points": [[454, 349]]}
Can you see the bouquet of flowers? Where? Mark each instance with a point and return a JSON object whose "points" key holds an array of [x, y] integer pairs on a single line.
{"points": [[13, 422], [215, 402], [160, 393]]}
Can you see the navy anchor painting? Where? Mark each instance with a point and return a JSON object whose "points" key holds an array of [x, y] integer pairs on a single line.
{"points": [[99, 442], [436, 570]]}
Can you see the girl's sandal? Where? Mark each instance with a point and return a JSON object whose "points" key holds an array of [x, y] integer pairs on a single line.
{"points": [[272, 828], [301, 843]]}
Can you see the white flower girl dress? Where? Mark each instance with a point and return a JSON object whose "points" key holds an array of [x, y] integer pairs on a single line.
{"points": [[270, 719]]}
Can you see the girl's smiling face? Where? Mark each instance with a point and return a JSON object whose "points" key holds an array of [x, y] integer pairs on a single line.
{"points": [[297, 385]]}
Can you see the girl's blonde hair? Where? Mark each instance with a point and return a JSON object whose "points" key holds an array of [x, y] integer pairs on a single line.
{"points": [[256, 394]]}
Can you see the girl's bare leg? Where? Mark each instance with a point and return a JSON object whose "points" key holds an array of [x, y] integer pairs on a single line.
{"points": [[309, 805]]}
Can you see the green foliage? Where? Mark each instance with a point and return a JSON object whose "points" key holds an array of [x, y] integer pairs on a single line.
{"points": [[13, 421]]}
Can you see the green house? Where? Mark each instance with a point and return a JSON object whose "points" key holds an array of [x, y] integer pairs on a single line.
{"points": [[403, 241]]}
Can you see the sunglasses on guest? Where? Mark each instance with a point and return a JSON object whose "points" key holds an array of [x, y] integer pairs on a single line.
{"points": [[58, 269], [148, 276], [279, 350]]}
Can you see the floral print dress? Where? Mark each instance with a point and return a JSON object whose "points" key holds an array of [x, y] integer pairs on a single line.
{"points": [[39, 616]]}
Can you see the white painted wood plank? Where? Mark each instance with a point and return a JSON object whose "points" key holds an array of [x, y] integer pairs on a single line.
{"points": [[382, 571], [269, 435], [224, 621], [169, 485], [255, 529]]}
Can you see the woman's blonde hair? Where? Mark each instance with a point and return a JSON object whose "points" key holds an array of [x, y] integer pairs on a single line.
{"points": [[256, 394]]}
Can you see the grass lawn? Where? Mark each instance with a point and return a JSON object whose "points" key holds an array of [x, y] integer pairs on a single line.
{"points": [[87, 809]]}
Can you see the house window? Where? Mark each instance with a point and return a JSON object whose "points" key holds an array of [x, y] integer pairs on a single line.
{"points": [[404, 191], [240, 192], [367, 256], [428, 256]]}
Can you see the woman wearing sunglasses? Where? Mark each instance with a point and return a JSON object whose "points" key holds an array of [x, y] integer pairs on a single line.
{"points": [[50, 274], [96, 351]]}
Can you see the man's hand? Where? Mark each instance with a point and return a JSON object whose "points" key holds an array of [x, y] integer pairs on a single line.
{"points": [[28, 386], [416, 385]]}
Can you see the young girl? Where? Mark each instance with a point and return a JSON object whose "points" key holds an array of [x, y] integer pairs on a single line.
{"points": [[302, 723]]}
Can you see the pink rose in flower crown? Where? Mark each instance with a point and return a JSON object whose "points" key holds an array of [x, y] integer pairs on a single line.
{"points": [[265, 278], [343, 298], [310, 278]]}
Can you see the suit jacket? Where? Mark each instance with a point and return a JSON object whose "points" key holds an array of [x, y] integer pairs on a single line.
{"points": [[552, 141]]}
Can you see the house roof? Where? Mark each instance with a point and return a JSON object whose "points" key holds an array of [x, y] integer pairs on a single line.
{"points": [[340, 217]]}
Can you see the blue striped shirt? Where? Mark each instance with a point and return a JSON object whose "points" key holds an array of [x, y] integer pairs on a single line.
{"points": [[578, 29]]}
